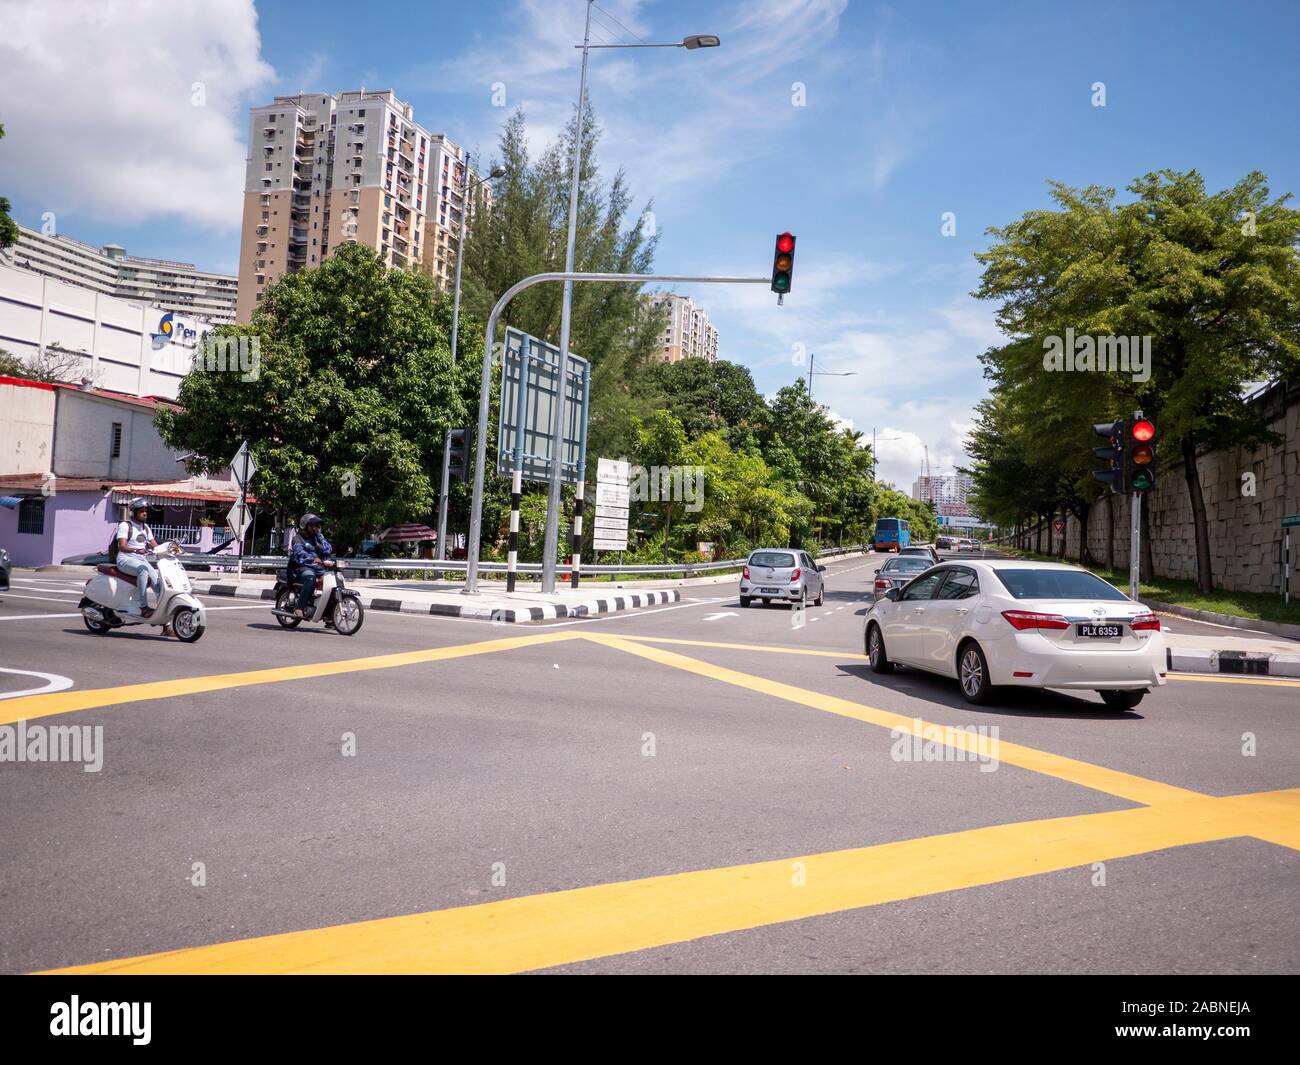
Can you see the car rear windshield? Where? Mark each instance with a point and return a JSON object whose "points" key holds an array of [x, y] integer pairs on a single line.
{"points": [[772, 559], [908, 562], [1056, 584]]}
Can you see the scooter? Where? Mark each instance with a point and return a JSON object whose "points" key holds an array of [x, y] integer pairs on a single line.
{"points": [[109, 599], [339, 608]]}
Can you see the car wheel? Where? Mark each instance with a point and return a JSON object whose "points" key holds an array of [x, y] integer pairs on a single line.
{"points": [[821, 596], [767, 602], [973, 674], [744, 600], [880, 662], [1121, 700]]}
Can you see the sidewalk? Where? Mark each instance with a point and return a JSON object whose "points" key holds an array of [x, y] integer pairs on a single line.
{"points": [[444, 598]]}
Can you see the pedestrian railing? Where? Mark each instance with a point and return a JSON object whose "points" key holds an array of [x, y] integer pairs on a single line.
{"points": [[365, 566]]}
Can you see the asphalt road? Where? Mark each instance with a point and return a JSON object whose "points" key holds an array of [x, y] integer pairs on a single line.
{"points": [[695, 788]]}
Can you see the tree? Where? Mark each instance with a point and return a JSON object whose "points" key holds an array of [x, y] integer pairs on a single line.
{"points": [[352, 394], [52, 364], [1213, 279], [8, 227]]}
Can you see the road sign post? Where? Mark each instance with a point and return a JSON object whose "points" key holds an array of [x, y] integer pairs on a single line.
{"points": [[242, 468], [1135, 546]]}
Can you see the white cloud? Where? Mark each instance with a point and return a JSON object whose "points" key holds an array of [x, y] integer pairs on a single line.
{"points": [[99, 114]]}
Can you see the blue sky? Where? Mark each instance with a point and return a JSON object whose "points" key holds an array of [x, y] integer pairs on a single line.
{"points": [[910, 110]]}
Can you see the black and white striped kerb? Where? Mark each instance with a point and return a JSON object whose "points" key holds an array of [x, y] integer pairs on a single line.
{"points": [[505, 615], [512, 559], [577, 531]]}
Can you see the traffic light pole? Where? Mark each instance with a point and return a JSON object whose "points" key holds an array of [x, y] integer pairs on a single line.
{"points": [[1135, 546], [485, 386]]}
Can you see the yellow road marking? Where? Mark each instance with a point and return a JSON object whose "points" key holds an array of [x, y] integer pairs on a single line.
{"points": [[1236, 680], [774, 649], [34, 706], [557, 928], [1110, 781]]}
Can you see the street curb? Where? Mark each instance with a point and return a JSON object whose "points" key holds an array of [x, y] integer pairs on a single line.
{"points": [[1196, 660], [499, 615], [1276, 628]]}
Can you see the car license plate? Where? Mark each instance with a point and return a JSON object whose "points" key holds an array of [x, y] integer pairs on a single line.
{"points": [[1101, 632], [769, 591]]}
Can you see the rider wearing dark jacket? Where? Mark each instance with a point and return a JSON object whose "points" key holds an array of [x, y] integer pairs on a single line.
{"points": [[309, 557]]}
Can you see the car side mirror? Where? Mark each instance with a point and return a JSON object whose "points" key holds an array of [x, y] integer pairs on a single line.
{"points": [[821, 569], [892, 595]]}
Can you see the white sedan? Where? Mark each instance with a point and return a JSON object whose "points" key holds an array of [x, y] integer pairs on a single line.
{"points": [[1020, 624]]}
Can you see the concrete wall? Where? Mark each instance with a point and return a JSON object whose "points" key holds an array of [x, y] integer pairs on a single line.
{"points": [[1245, 530], [26, 427], [83, 443]]}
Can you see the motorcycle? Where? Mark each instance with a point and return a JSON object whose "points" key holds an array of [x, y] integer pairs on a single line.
{"points": [[336, 606], [109, 599]]}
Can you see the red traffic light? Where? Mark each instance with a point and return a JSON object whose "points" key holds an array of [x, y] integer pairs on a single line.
{"points": [[1143, 430], [785, 242]]}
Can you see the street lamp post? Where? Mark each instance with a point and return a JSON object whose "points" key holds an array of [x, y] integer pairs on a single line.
{"points": [[812, 359], [443, 492], [551, 538]]}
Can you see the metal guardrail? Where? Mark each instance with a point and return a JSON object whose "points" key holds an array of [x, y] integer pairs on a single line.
{"points": [[422, 565]]}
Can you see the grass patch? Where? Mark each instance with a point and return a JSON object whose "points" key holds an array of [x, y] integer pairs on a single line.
{"points": [[1254, 606]]}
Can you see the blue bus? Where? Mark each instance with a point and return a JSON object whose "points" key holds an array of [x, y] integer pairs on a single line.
{"points": [[892, 534]]}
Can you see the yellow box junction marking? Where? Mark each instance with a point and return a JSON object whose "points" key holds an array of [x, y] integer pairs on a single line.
{"points": [[555, 928]]}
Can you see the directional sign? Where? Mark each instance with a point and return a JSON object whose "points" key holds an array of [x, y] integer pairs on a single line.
{"points": [[613, 498], [1291, 521], [242, 466], [239, 518]]}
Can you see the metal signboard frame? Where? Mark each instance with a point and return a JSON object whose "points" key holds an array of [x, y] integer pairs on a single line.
{"points": [[524, 427]]}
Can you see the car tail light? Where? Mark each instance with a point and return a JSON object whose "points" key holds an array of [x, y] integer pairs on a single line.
{"points": [[1145, 621], [795, 575], [745, 573], [1028, 619], [881, 583]]}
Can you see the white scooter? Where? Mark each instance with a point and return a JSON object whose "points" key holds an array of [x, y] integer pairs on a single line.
{"points": [[109, 600], [335, 604]]}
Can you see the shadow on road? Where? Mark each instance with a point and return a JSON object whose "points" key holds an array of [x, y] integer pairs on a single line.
{"points": [[1007, 702]]}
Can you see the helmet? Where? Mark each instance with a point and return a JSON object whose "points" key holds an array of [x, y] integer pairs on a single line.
{"points": [[136, 504], [308, 519]]}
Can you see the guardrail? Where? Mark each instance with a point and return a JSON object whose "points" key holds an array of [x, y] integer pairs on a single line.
{"points": [[422, 565]]}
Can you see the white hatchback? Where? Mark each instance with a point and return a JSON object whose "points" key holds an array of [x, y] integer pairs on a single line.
{"points": [[990, 623]]}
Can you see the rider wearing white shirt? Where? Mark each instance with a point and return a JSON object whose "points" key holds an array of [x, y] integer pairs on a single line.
{"points": [[134, 539]]}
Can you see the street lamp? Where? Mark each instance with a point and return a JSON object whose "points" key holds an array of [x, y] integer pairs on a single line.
{"points": [[883, 440], [470, 182], [823, 373], [551, 539]]}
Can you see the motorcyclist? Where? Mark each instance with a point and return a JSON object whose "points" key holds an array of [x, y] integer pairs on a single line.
{"points": [[309, 557], [134, 540]]}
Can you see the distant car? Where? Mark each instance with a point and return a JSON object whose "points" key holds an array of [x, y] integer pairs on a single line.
{"points": [[924, 550], [967, 544], [5, 566], [782, 574], [946, 543], [898, 571], [1033, 625]]}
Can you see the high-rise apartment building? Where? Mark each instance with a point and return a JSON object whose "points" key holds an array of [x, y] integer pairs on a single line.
{"points": [[326, 170], [453, 186], [173, 286], [688, 334], [947, 488]]}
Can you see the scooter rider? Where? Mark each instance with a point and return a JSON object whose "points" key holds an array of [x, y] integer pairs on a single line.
{"points": [[309, 557], [134, 539]]}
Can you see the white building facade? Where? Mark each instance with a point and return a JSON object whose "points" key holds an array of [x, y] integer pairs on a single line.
{"points": [[688, 333]]}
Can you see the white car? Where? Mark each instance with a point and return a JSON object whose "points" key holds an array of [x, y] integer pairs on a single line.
{"points": [[990, 623]]}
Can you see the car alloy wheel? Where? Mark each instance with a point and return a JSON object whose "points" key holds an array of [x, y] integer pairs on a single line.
{"points": [[973, 674]]}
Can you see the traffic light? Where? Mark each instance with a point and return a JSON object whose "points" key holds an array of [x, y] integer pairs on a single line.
{"points": [[1113, 475], [1140, 463], [458, 456], [783, 264]]}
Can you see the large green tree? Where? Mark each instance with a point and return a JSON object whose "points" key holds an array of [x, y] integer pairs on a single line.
{"points": [[8, 227], [1212, 278], [352, 392]]}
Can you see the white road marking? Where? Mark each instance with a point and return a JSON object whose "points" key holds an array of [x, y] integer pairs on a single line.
{"points": [[53, 683], [724, 614], [42, 598]]}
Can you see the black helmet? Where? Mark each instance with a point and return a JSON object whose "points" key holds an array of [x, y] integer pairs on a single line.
{"points": [[308, 519]]}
